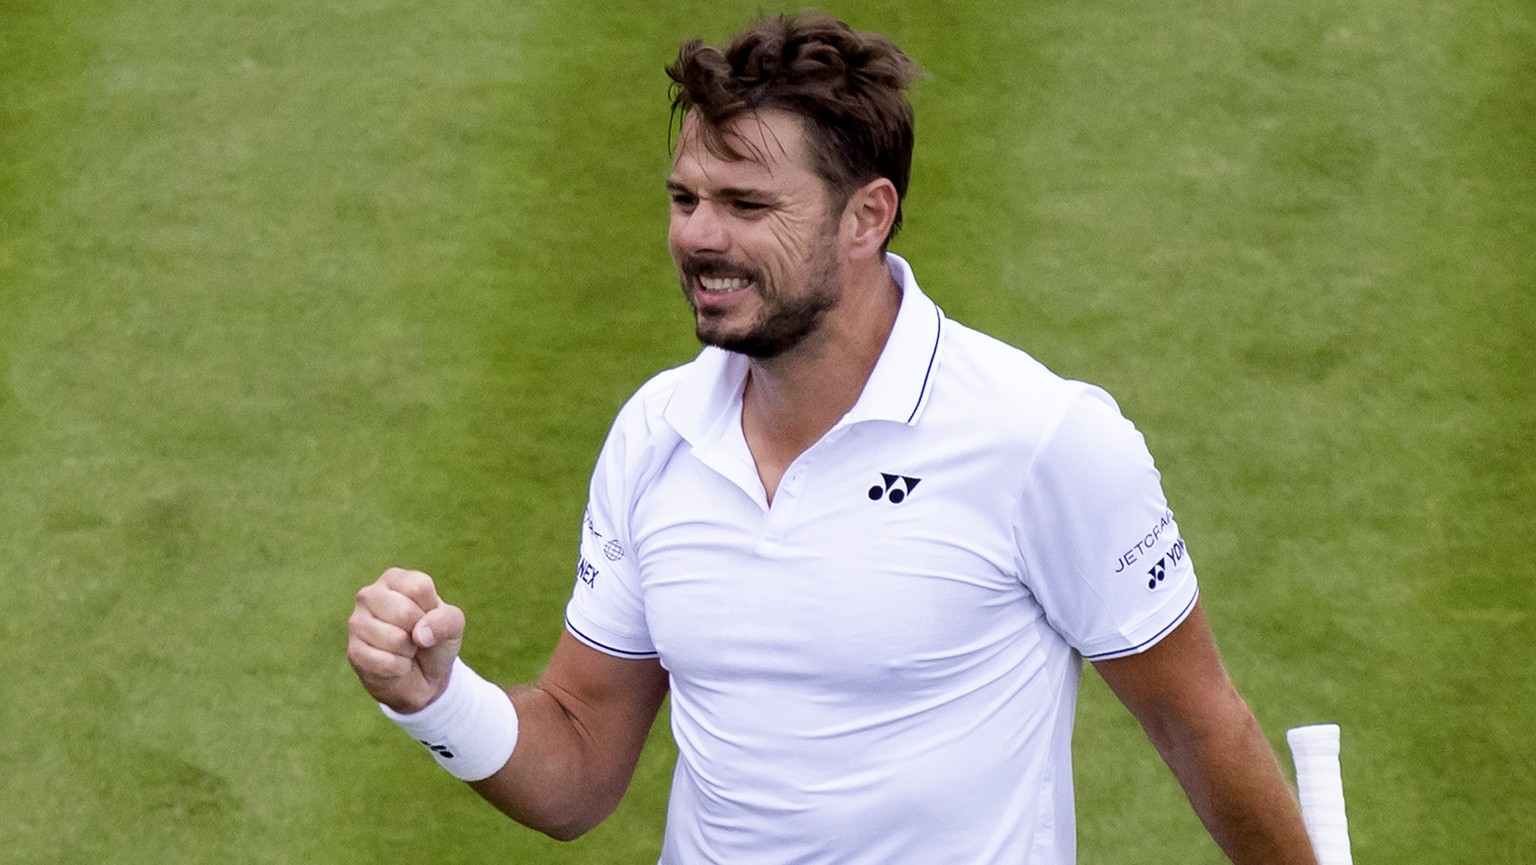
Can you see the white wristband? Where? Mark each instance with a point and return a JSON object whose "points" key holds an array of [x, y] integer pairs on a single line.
{"points": [[471, 728]]}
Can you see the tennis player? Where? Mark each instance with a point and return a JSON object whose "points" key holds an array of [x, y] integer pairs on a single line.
{"points": [[864, 547]]}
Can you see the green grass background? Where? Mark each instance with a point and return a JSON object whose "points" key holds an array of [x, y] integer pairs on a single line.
{"points": [[291, 292]]}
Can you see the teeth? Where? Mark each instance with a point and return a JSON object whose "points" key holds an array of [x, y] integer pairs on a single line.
{"points": [[734, 283]]}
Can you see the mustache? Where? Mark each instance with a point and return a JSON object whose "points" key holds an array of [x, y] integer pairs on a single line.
{"points": [[717, 267]]}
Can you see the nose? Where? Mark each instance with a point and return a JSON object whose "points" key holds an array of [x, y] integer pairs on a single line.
{"points": [[700, 229]]}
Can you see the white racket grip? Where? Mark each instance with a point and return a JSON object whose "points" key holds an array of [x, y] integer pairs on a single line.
{"points": [[1320, 786]]}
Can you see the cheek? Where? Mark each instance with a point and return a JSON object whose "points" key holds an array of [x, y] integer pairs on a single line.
{"points": [[798, 248], [674, 248], [784, 244], [803, 234]]}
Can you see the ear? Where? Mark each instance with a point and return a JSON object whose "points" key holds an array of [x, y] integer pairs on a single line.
{"points": [[868, 216]]}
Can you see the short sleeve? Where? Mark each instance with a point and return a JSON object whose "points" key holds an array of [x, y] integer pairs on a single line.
{"points": [[606, 610], [1098, 544]]}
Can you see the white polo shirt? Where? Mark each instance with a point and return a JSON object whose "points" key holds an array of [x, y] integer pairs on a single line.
{"points": [[881, 666]]}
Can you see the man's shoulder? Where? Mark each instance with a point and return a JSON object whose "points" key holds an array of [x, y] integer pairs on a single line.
{"points": [[997, 368], [640, 439], [658, 389], [645, 409]]}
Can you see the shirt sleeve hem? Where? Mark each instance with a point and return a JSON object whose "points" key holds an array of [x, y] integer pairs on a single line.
{"points": [[1151, 641], [606, 647]]}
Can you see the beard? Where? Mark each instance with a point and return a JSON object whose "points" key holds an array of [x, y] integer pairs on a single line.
{"points": [[782, 323]]}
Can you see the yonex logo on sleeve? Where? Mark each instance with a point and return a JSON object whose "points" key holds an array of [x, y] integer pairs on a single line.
{"points": [[893, 492], [1159, 571], [586, 572]]}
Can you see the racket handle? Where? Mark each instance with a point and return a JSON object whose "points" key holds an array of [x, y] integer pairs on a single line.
{"points": [[1320, 786]]}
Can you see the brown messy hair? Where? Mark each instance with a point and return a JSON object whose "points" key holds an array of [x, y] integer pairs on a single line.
{"points": [[846, 86]]}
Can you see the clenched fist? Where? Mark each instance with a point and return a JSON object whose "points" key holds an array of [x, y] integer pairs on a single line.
{"points": [[403, 638]]}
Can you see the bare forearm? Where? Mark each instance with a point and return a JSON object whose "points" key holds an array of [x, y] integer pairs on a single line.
{"points": [[580, 733], [1180, 692], [555, 781], [1235, 784]]}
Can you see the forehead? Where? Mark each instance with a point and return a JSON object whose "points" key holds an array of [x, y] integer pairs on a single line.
{"points": [[772, 146]]}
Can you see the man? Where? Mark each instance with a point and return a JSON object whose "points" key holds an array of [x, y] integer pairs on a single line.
{"points": [[862, 546]]}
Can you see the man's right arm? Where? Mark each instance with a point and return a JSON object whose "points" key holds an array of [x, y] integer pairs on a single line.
{"points": [[580, 728]]}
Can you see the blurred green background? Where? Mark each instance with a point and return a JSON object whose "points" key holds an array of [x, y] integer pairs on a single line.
{"points": [[291, 292]]}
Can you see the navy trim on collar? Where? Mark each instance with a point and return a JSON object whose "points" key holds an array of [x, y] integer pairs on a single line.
{"points": [[932, 361], [898, 387]]}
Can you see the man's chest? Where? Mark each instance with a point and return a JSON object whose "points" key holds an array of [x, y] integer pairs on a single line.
{"points": [[879, 560]]}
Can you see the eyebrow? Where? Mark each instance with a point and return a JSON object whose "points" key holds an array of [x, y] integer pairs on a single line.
{"points": [[728, 192]]}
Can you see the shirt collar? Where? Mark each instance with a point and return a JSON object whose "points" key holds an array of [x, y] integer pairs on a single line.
{"points": [[709, 395], [898, 387]]}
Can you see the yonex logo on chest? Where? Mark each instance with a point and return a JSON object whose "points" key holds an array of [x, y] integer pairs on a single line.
{"points": [[896, 490]]}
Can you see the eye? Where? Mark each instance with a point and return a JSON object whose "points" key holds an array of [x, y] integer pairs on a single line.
{"points": [[745, 206], [684, 201]]}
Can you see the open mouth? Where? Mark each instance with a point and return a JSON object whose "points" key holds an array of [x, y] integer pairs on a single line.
{"points": [[719, 277], [723, 284]]}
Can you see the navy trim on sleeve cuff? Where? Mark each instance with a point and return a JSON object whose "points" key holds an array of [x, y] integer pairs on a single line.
{"points": [[603, 647], [1150, 641]]}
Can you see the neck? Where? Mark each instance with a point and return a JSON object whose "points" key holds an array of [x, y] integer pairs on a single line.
{"points": [[792, 400]]}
